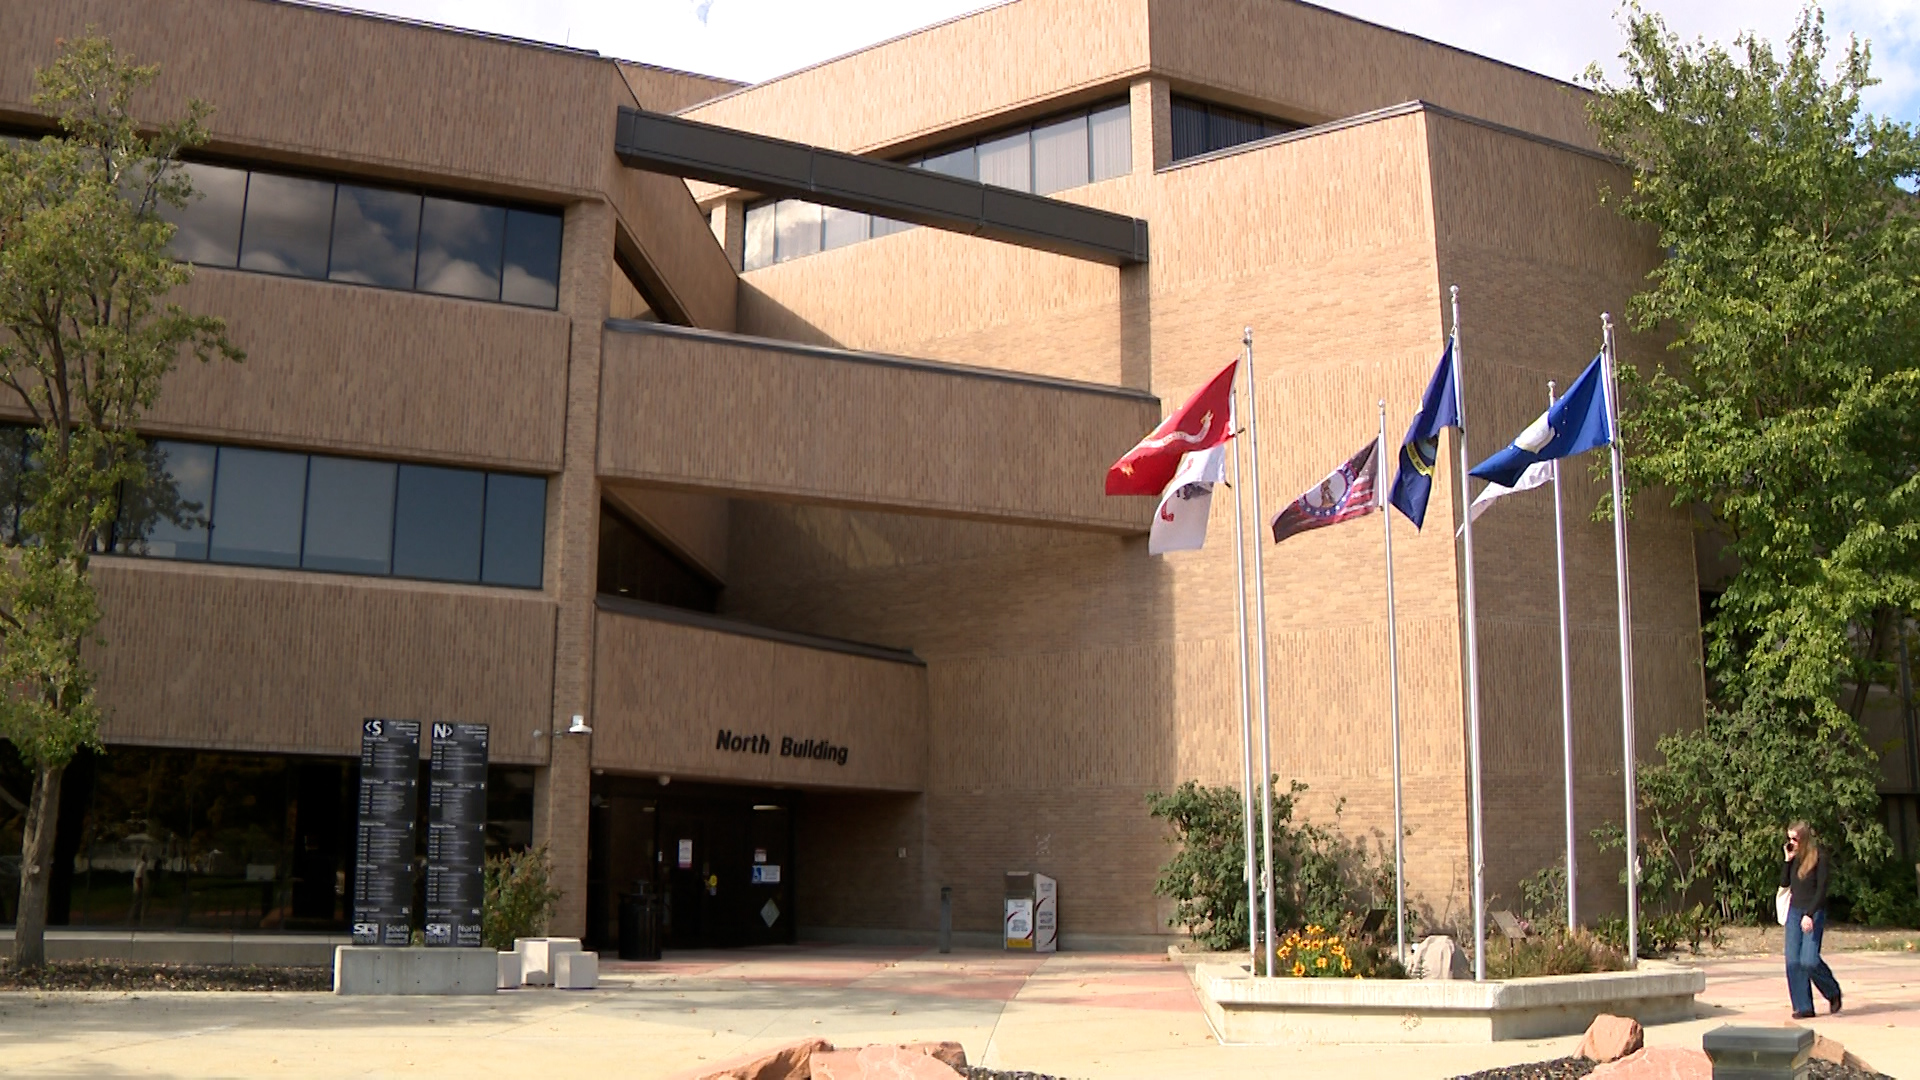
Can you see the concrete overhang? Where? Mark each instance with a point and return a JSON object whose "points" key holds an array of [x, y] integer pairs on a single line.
{"points": [[770, 166], [691, 410]]}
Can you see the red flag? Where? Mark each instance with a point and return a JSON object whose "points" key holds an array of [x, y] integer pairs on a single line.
{"points": [[1348, 492], [1198, 425]]}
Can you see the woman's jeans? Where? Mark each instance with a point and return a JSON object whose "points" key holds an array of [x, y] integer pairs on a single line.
{"points": [[1805, 969]]}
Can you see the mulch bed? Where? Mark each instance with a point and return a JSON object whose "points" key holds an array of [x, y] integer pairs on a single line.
{"points": [[1566, 1068], [107, 975]]}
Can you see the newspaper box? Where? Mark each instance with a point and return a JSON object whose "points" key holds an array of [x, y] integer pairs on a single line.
{"points": [[1032, 912]]}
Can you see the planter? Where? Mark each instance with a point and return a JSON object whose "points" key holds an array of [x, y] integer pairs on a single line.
{"points": [[1245, 1009]]}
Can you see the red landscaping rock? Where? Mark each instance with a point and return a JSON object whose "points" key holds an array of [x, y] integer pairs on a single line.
{"points": [[948, 1053], [1610, 1038], [880, 1063], [790, 1062], [1657, 1063], [1830, 1050]]}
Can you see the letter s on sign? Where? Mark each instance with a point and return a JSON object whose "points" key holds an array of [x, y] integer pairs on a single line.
{"points": [[374, 727]]}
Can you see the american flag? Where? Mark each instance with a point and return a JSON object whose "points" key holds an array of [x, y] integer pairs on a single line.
{"points": [[1348, 492]]}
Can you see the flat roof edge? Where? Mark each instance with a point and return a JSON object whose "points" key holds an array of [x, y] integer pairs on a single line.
{"points": [[1407, 108], [828, 352]]}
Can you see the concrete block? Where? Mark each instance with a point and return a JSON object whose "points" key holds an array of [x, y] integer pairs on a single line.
{"points": [[536, 957], [1758, 1053], [509, 971], [371, 969], [576, 970]]}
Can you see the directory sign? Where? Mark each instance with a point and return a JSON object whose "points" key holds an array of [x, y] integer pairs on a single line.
{"points": [[389, 803], [456, 833]]}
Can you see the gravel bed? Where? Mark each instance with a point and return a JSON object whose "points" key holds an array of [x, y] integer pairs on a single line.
{"points": [[975, 1072], [1827, 1070], [1566, 1068], [107, 975]]}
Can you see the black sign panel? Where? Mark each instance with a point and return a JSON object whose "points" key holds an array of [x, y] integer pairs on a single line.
{"points": [[389, 803], [456, 833]]}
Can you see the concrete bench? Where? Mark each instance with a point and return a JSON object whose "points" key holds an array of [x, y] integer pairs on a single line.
{"points": [[372, 969]]}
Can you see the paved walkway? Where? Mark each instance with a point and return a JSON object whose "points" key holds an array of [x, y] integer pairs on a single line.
{"points": [[1075, 1015]]}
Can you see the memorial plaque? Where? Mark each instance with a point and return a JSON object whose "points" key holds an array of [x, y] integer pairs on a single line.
{"points": [[456, 833], [389, 804]]}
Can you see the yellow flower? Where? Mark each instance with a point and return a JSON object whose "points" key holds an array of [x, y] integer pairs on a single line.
{"points": [[1313, 928], [1320, 963], [1346, 964], [1299, 969]]}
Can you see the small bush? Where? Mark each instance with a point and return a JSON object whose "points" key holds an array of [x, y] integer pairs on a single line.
{"points": [[1555, 953], [1317, 953], [520, 897], [1543, 898], [1661, 934]]}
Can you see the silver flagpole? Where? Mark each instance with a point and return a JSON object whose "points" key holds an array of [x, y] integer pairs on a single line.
{"points": [[1566, 683], [1246, 698], [1393, 698], [1473, 660], [1612, 389], [1260, 651]]}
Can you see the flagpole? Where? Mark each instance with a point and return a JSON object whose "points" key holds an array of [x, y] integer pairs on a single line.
{"points": [[1566, 683], [1473, 660], [1246, 699], [1393, 698], [1612, 389], [1260, 651]]}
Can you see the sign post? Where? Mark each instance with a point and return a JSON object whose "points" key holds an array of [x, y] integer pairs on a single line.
{"points": [[456, 834], [389, 803]]}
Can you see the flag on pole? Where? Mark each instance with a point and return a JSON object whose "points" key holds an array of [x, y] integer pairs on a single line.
{"points": [[1439, 409], [1180, 524], [1573, 425], [1348, 492], [1537, 473], [1200, 424]]}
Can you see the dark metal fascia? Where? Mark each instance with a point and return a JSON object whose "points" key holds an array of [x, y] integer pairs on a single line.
{"points": [[776, 167]]}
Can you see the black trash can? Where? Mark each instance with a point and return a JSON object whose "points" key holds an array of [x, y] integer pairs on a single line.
{"points": [[639, 925]]}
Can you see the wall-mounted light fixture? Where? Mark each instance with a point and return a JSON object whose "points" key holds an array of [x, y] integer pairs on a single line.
{"points": [[579, 726]]}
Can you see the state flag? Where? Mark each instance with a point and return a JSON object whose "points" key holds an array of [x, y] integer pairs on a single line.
{"points": [[1348, 492], [1201, 424], [1180, 522], [1439, 410], [1573, 425], [1537, 474]]}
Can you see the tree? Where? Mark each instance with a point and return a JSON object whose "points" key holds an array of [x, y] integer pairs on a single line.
{"points": [[85, 343], [1789, 408]]}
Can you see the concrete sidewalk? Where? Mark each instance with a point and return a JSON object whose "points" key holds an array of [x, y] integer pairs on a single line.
{"points": [[1075, 1015]]}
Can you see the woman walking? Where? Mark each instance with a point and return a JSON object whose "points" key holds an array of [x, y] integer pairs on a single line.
{"points": [[1805, 876]]}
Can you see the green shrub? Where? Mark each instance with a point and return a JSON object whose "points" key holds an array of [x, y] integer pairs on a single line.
{"points": [[520, 897], [1543, 898], [1555, 953]]}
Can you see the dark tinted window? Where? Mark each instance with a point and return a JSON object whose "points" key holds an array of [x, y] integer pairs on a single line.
{"points": [[437, 523], [349, 515], [374, 236], [460, 248], [207, 229], [516, 530], [1201, 128], [636, 566], [532, 273], [168, 516], [258, 497], [288, 222], [958, 163]]}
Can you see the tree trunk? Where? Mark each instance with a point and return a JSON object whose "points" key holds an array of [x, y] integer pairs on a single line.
{"points": [[36, 867], [1876, 645]]}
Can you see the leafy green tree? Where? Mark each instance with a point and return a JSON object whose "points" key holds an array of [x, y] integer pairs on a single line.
{"points": [[1787, 411], [85, 343], [519, 897]]}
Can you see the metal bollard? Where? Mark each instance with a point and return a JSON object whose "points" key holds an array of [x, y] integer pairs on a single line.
{"points": [[946, 918], [1758, 1053]]}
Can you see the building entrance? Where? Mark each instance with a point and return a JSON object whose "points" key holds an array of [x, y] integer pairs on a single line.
{"points": [[719, 859]]}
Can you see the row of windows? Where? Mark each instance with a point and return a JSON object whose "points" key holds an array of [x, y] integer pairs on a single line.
{"points": [[394, 239], [1201, 128], [1053, 155], [230, 504]]}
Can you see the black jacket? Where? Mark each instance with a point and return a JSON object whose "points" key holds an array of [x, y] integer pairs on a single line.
{"points": [[1809, 894]]}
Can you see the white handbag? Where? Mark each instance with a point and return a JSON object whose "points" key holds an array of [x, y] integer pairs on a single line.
{"points": [[1781, 901]]}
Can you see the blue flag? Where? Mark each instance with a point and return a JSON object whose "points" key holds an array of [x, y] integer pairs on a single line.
{"points": [[1440, 409], [1575, 424]]}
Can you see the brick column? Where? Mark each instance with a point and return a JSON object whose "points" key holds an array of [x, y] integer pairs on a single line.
{"points": [[1151, 103], [560, 790], [729, 222]]}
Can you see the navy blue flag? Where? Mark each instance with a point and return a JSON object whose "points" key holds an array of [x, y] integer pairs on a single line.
{"points": [[1439, 410], [1575, 424]]}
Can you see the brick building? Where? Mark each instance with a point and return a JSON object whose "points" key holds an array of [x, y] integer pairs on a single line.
{"points": [[550, 411]]}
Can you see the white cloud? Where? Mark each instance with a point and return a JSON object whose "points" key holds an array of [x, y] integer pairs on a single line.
{"points": [[753, 40]]}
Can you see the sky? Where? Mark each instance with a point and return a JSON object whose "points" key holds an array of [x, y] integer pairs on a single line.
{"points": [[755, 40]]}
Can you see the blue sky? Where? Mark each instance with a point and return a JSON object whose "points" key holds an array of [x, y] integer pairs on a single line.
{"points": [[753, 40]]}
